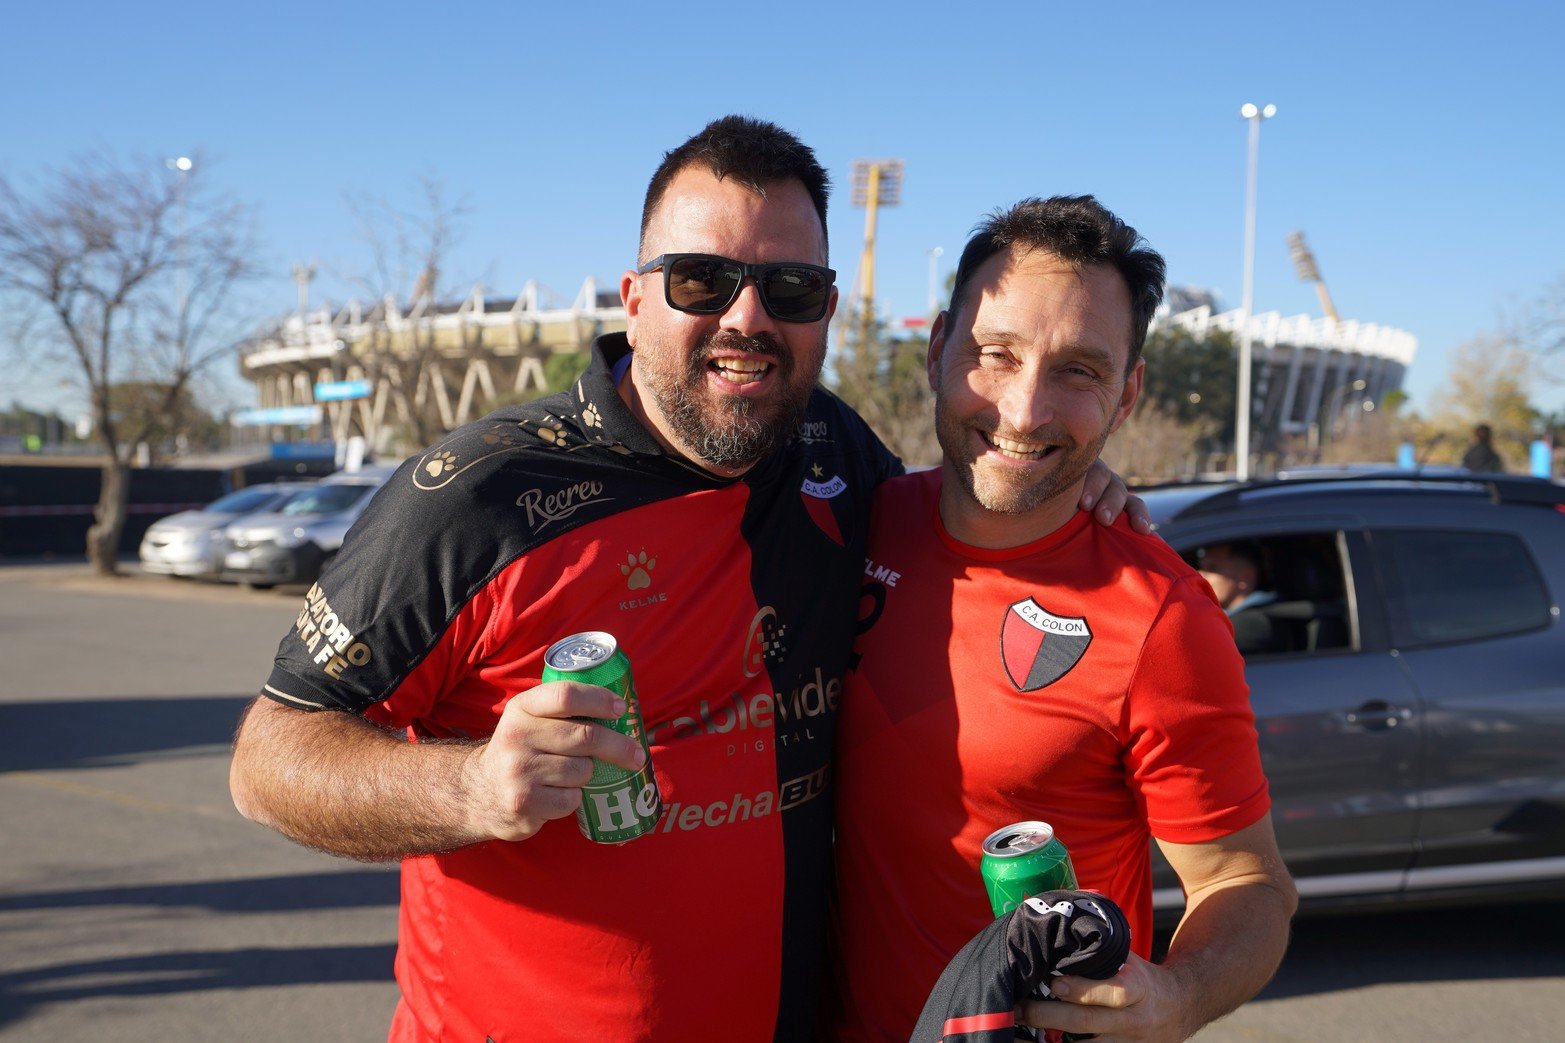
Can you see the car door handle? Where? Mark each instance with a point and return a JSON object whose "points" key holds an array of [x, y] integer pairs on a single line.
{"points": [[1377, 715]]}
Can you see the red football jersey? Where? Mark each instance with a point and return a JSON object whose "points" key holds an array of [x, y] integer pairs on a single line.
{"points": [[1088, 679]]}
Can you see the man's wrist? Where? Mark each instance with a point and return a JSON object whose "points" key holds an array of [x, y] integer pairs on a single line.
{"points": [[473, 797]]}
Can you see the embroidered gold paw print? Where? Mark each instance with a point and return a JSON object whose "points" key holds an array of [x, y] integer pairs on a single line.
{"points": [[438, 464], [552, 432], [590, 417], [636, 569]]}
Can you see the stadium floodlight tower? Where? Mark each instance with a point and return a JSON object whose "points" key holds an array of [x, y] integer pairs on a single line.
{"points": [[1242, 422], [876, 183]]}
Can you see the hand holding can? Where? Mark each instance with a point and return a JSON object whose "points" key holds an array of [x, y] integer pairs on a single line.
{"points": [[616, 805]]}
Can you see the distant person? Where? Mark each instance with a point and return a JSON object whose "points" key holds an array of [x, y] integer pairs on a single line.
{"points": [[1480, 456], [1234, 572]]}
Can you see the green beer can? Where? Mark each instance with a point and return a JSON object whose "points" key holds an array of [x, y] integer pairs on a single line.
{"points": [[616, 805], [1022, 860]]}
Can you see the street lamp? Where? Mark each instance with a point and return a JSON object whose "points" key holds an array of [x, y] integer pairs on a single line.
{"points": [[181, 165], [1242, 422], [876, 183]]}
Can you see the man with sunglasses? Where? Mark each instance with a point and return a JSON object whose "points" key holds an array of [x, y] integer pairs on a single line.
{"points": [[697, 495]]}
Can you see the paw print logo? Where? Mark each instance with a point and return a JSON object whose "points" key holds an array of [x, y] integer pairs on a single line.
{"points": [[590, 417], [636, 570], [499, 438], [437, 464], [552, 432]]}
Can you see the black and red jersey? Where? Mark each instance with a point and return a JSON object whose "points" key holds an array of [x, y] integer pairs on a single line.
{"points": [[735, 601]]}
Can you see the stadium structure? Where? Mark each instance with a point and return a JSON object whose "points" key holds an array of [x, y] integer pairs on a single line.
{"points": [[450, 363], [356, 370], [1306, 370]]}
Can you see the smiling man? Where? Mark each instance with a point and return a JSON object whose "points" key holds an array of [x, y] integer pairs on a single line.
{"points": [[1020, 663]]}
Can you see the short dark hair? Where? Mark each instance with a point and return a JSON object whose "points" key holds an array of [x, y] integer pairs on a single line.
{"points": [[754, 152], [1081, 232], [1248, 551]]}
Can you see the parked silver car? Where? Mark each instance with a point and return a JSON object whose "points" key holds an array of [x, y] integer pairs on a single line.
{"points": [[1412, 710], [290, 544], [186, 544]]}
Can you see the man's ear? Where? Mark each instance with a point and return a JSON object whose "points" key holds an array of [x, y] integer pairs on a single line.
{"points": [[630, 296], [937, 343], [1129, 393]]}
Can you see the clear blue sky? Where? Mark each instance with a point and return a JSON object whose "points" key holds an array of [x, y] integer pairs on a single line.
{"points": [[1417, 145]]}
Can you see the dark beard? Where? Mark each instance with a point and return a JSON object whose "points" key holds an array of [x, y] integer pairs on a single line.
{"points": [[734, 432]]}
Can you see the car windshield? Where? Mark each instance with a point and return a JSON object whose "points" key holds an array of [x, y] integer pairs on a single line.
{"points": [[243, 501], [326, 499]]}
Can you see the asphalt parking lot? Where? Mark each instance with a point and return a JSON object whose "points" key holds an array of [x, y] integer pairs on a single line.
{"points": [[135, 904]]}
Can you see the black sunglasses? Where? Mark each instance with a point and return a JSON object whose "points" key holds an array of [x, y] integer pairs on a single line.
{"points": [[705, 284]]}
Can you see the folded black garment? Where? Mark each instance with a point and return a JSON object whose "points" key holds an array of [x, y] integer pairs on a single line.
{"points": [[1054, 933]]}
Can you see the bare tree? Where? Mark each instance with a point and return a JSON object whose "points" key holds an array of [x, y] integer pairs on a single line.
{"points": [[123, 273], [1489, 382], [885, 380], [1155, 444], [408, 251]]}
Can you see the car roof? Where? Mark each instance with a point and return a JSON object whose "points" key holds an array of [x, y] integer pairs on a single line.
{"points": [[1181, 502], [369, 474]]}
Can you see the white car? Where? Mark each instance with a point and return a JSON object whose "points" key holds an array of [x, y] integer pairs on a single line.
{"points": [[186, 544]]}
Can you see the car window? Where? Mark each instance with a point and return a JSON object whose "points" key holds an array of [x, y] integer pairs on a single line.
{"points": [[327, 499], [1296, 601], [242, 501], [1461, 586]]}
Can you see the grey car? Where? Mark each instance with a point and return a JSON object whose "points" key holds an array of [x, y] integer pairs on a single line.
{"points": [[1412, 718], [186, 544], [291, 544]]}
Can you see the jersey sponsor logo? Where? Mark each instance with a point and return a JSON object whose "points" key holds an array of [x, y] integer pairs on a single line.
{"points": [[1038, 647], [637, 570], [814, 431], [764, 642], [741, 808], [785, 713], [332, 646], [881, 574], [544, 509]]}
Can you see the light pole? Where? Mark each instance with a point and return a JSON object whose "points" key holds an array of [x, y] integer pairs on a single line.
{"points": [[1242, 422], [876, 183], [934, 299], [181, 165]]}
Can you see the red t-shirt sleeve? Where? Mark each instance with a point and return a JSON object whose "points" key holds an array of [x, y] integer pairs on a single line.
{"points": [[441, 669], [1192, 757]]}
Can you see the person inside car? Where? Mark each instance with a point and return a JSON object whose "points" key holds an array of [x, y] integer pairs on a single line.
{"points": [[1234, 572]]}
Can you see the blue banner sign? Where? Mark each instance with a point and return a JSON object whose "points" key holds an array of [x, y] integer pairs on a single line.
{"points": [[336, 390], [279, 415]]}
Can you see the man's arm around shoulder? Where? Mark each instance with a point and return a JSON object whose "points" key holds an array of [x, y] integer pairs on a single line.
{"points": [[335, 781], [1238, 901]]}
